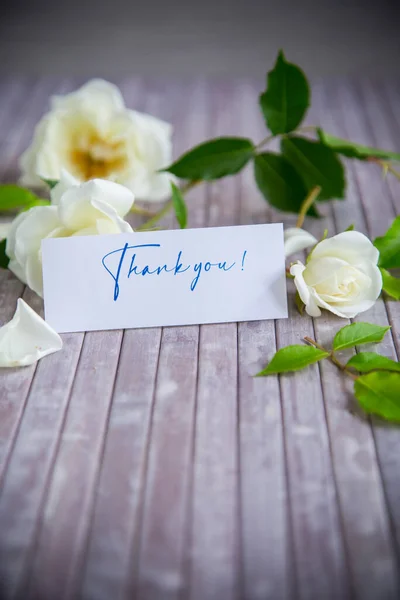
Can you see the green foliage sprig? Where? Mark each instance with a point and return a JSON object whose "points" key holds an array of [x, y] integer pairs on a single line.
{"points": [[284, 178], [389, 258], [376, 377]]}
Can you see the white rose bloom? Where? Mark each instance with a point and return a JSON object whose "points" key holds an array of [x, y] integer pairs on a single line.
{"points": [[341, 275], [94, 207], [296, 239], [26, 338], [91, 134]]}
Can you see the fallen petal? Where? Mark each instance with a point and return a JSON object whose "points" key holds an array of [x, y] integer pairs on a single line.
{"points": [[297, 239], [26, 338]]}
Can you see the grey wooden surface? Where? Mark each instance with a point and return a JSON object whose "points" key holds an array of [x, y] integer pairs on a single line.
{"points": [[150, 464]]}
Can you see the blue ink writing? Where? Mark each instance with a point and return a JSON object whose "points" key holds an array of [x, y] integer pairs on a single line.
{"points": [[121, 263]]}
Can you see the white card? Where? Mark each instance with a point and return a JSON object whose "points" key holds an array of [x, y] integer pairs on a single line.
{"points": [[180, 277]]}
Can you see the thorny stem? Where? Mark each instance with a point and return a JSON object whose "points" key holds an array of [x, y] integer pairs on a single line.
{"points": [[308, 202], [332, 358], [166, 208]]}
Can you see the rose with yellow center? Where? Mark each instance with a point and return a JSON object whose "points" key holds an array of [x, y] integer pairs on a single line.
{"points": [[91, 134]]}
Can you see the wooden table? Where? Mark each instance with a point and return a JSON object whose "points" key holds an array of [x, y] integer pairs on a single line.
{"points": [[150, 464]]}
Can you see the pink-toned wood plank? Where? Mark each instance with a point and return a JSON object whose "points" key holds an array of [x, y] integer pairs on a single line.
{"points": [[161, 548], [317, 540], [379, 215], [383, 123], [366, 526], [21, 109], [214, 527], [265, 526], [66, 516], [86, 423], [157, 559]]}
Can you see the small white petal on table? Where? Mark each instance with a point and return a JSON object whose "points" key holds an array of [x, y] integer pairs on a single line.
{"points": [[26, 338]]}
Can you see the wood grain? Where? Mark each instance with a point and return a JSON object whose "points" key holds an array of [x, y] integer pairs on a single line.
{"points": [[151, 464]]}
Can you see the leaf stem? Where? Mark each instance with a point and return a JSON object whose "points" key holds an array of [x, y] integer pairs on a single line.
{"points": [[265, 141], [386, 166], [331, 357], [138, 210], [308, 202], [166, 208], [306, 128]]}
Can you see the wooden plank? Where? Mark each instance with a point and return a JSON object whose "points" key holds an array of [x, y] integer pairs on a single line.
{"points": [[214, 530], [380, 215], [317, 540], [140, 507], [366, 527], [21, 108], [30, 435], [161, 549], [116, 518], [384, 128], [265, 524], [80, 455], [67, 511], [13, 388]]}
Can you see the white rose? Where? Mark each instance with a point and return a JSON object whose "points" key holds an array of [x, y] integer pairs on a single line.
{"points": [[296, 239], [94, 207], [26, 338], [91, 134], [341, 275]]}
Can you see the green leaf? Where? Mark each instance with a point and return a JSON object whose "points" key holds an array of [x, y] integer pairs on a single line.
{"points": [[391, 284], [287, 97], [13, 197], [379, 394], [4, 260], [317, 165], [353, 150], [293, 358], [358, 333], [350, 227], [389, 246], [371, 361], [279, 182], [36, 202], [50, 182], [214, 159], [179, 206]]}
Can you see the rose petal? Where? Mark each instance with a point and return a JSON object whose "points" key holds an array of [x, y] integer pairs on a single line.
{"points": [[82, 205], [27, 232], [11, 238], [306, 293], [66, 181], [97, 92], [352, 246], [150, 141], [26, 338], [322, 269], [352, 307], [297, 239]]}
